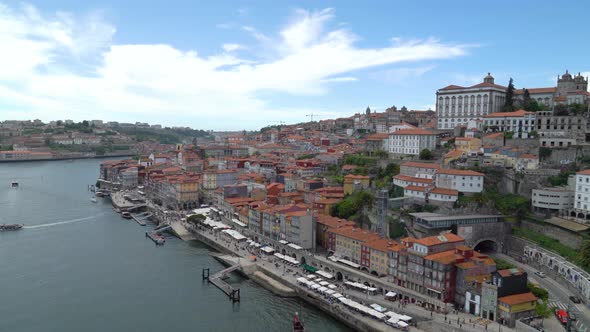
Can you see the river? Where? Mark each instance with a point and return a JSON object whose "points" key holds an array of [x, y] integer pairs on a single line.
{"points": [[79, 266]]}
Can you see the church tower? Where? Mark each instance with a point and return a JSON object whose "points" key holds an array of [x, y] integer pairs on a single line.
{"points": [[489, 79]]}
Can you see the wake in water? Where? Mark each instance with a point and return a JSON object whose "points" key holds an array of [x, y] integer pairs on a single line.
{"points": [[64, 222]]}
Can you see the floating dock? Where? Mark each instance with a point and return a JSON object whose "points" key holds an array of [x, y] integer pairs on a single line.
{"points": [[157, 238], [141, 218], [218, 280]]}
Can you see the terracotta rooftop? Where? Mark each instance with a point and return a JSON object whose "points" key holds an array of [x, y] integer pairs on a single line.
{"points": [[412, 179], [459, 172], [518, 113], [439, 239], [518, 298], [355, 233], [445, 257]]}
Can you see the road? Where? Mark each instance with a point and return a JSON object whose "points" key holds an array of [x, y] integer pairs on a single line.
{"points": [[559, 292]]}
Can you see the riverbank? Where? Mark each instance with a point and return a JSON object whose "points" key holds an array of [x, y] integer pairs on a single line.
{"points": [[61, 158], [278, 279]]}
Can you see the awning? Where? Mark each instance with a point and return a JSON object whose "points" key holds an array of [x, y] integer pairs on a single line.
{"points": [[332, 286], [239, 223], [402, 324], [333, 258], [268, 250], [236, 235], [349, 263], [325, 274], [337, 295], [432, 290], [310, 268], [294, 246], [390, 294], [405, 318], [324, 283], [283, 242]]}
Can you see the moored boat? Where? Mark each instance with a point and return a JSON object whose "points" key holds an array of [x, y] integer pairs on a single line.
{"points": [[126, 214], [14, 184], [93, 199], [99, 194], [297, 324], [10, 227]]}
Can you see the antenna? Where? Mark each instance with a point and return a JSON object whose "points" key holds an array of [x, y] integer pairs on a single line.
{"points": [[311, 116]]}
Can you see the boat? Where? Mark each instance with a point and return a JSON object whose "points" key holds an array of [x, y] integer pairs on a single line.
{"points": [[297, 324], [93, 199], [10, 227], [14, 184], [99, 194], [126, 214]]}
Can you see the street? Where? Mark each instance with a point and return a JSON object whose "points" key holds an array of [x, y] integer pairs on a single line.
{"points": [[559, 292]]}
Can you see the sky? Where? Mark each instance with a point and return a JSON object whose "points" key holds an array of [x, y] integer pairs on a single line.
{"points": [[233, 65]]}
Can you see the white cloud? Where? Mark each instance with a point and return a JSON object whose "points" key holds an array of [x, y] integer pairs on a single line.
{"points": [[231, 47], [401, 75], [67, 66]]}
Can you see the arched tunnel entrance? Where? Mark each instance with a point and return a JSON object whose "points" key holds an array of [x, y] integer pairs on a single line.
{"points": [[486, 247]]}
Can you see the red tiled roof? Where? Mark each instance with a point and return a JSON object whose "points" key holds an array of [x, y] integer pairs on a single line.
{"points": [[438, 239], [459, 172], [416, 131], [518, 113], [494, 135], [412, 179], [536, 90], [518, 298], [584, 172]]}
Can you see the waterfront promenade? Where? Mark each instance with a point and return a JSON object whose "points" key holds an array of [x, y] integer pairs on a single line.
{"points": [[426, 320]]}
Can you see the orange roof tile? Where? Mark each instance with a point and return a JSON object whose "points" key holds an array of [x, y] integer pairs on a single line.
{"points": [[438, 239], [508, 114], [412, 179], [518, 298], [459, 172]]}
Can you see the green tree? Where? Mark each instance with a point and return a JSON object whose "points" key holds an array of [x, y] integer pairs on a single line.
{"points": [[544, 152], [85, 123], [509, 102], [539, 292], [585, 253], [542, 309], [425, 154]]}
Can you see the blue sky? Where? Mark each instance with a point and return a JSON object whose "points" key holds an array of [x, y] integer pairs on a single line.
{"points": [[246, 64]]}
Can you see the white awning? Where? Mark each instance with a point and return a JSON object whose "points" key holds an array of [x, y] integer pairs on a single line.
{"points": [[239, 223], [332, 286], [378, 307], [337, 295], [324, 283], [405, 318], [402, 324], [433, 290], [236, 235], [283, 242], [333, 258], [294, 246], [330, 292], [311, 276], [349, 263], [325, 274], [268, 250], [390, 294], [281, 256]]}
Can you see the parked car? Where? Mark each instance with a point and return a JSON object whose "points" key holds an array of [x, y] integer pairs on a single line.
{"points": [[575, 299], [540, 274], [561, 315]]}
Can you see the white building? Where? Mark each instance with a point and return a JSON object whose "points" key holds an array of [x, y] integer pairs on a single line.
{"points": [[401, 126], [458, 105], [520, 122], [432, 195], [553, 199], [582, 203], [461, 180], [411, 141]]}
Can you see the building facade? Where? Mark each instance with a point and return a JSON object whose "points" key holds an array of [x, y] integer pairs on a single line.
{"points": [[411, 141], [458, 105]]}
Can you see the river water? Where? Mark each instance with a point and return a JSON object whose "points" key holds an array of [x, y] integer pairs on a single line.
{"points": [[78, 266]]}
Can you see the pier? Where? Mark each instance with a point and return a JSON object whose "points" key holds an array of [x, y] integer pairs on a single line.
{"points": [[140, 218], [218, 280]]}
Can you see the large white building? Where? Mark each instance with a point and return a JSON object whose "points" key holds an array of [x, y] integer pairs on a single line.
{"points": [[411, 141], [582, 202], [461, 180], [520, 122], [458, 105]]}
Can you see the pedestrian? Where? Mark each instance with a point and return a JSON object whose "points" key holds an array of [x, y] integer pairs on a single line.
{"points": [[445, 318]]}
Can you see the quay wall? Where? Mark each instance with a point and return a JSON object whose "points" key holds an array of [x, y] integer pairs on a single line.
{"points": [[126, 154]]}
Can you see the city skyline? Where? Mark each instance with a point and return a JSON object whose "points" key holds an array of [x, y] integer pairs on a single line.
{"points": [[199, 66]]}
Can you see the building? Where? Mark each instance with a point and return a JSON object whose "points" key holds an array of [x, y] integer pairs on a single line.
{"points": [[521, 123], [514, 307], [431, 194], [553, 199], [324, 223], [582, 200], [219, 178], [560, 130], [468, 145], [458, 105], [418, 169], [466, 181], [346, 242], [375, 256], [354, 183], [411, 141], [428, 223]]}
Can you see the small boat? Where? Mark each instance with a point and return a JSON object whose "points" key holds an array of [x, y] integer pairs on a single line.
{"points": [[99, 194], [10, 227], [93, 199], [126, 214], [14, 184], [297, 324]]}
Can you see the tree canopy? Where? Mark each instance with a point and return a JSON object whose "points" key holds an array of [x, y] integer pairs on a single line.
{"points": [[508, 103]]}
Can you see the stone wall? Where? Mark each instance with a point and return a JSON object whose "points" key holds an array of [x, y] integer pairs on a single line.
{"points": [[497, 232], [564, 236]]}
